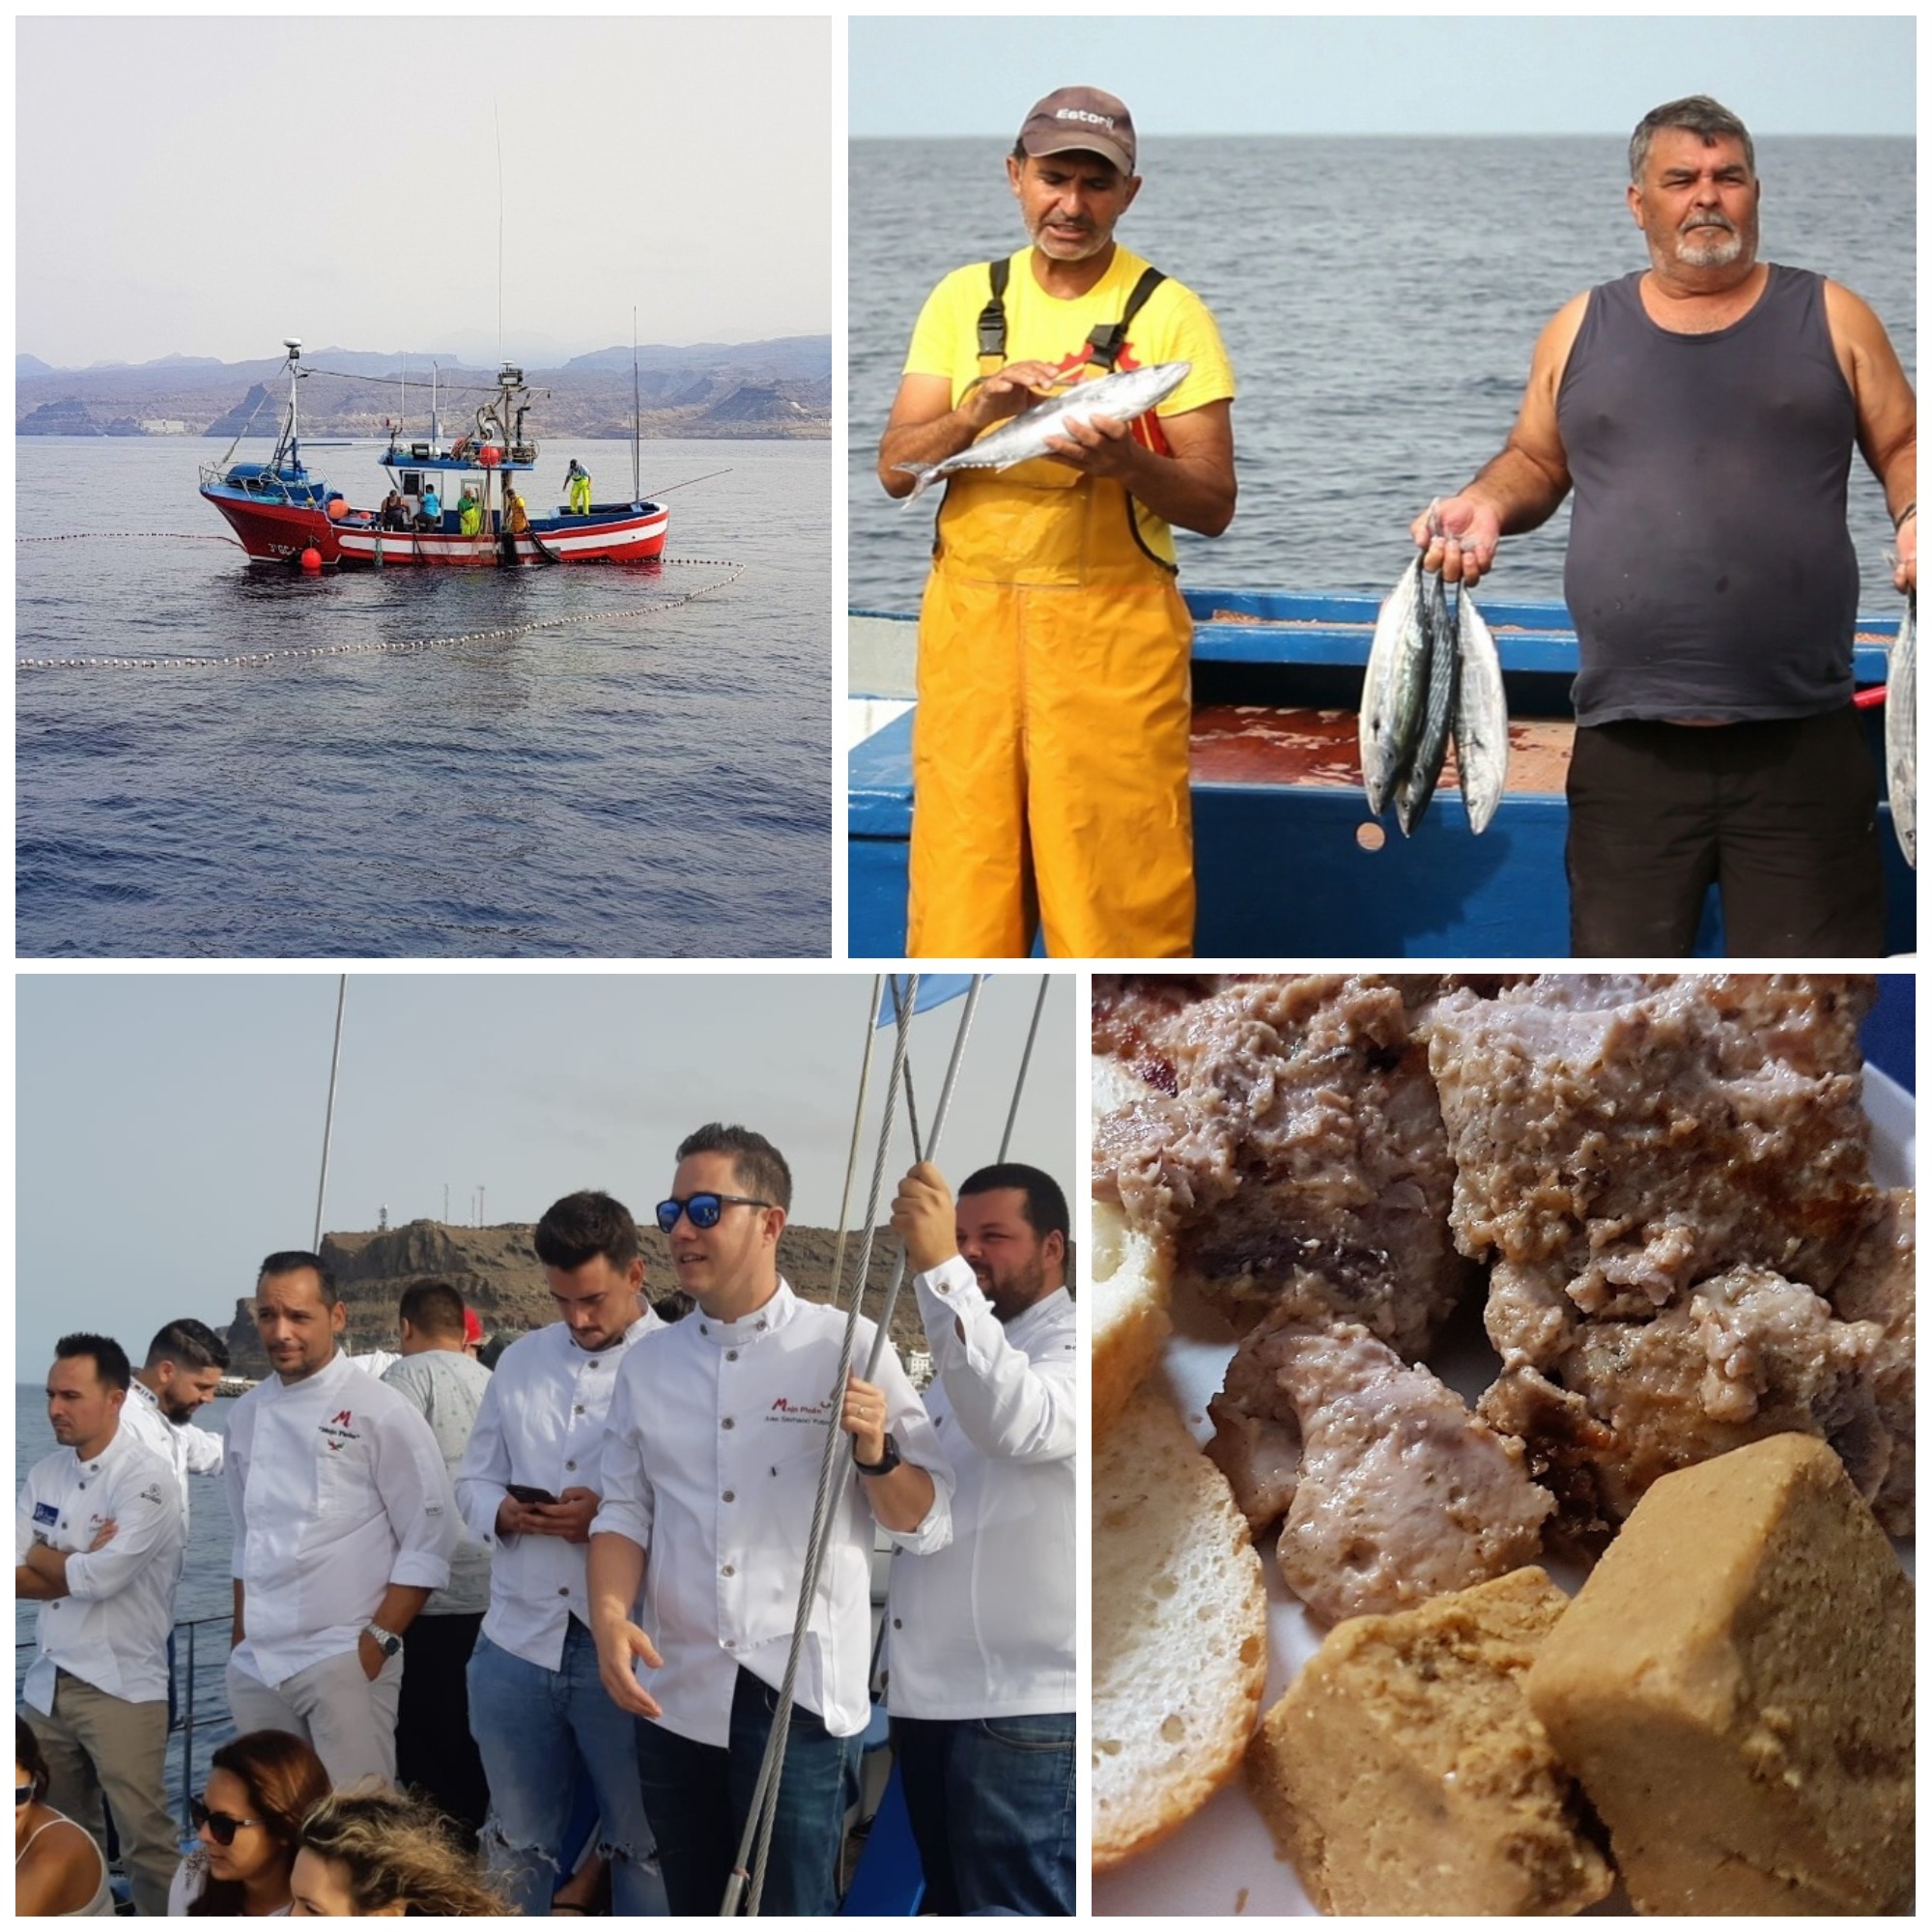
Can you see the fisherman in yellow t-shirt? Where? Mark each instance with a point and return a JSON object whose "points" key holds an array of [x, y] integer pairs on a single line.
{"points": [[1050, 742]]}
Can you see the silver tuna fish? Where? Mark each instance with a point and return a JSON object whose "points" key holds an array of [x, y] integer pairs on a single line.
{"points": [[1390, 708], [1439, 711], [1901, 732], [1130, 393], [1482, 717]]}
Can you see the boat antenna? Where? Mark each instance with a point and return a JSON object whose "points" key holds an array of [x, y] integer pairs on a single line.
{"points": [[498, 119], [328, 1114], [435, 421], [637, 488]]}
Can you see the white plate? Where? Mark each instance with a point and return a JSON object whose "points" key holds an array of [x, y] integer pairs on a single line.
{"points": [[1224, 1858]]}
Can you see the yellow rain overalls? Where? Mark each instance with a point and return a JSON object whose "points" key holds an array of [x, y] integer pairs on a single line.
{"points": [[1050, 740], [580, 494]]}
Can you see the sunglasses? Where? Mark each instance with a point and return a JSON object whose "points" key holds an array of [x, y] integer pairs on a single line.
{"points": [[702, 1211], [23, 1794], [219, 1826]]}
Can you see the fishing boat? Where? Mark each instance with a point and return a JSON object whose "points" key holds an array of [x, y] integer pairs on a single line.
{"points": [[1289, 861], [281, 509]]}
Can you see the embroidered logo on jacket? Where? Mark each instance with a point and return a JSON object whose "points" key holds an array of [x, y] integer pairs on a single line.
{"points": [[337, 1430], [784, 1409]]}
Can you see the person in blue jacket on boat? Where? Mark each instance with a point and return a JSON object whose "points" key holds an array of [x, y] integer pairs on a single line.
{"points": [[576, 480], [432, 510]]}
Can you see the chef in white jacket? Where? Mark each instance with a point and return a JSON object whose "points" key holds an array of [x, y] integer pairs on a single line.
{"points": [[979, 1650], [186, 1363], [98, 1538], [710, 1471], [345, 1522]]}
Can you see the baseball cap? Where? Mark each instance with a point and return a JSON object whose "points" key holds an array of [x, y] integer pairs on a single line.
{"points": [[1081, 120], [473, 1325]]}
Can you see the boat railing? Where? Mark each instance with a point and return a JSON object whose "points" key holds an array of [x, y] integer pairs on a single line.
{"points": [[198, 1703]]}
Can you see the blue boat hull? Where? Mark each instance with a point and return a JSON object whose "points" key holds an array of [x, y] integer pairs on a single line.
{"points": [[1283, 869]]}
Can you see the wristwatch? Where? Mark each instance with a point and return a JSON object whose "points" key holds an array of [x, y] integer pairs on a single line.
{"points": [[885, 1465], [386, 1641]]}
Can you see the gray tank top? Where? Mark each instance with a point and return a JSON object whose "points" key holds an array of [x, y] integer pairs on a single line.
{"points": [[1710, 573]]}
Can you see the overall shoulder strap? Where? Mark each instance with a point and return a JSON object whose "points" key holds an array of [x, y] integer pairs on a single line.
{"points": [[1108, 339], [993, 317]]}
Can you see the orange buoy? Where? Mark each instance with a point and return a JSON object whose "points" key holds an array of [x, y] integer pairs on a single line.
{"points": [[311, 558], [489, 456]]}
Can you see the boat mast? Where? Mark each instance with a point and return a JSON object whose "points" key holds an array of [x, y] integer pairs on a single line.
{"points": [[293, 344], [637, 487]]}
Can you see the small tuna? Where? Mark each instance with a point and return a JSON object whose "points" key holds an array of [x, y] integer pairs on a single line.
{"points": [[1130, 393]]}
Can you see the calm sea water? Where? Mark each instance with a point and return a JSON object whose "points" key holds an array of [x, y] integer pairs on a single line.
{"points": [[1379, 299], [620, 786]]}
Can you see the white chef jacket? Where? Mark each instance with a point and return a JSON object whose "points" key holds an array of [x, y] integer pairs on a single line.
{"points": [[337, 1490], [712, 1467], [111, 1628], [184, 1448], [984, 1627], [541, 1424]]}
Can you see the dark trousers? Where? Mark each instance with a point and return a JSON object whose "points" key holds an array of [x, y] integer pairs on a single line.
{"points": [[434, 1751], [697, 1798], [991, 1805], [1781, 816]]}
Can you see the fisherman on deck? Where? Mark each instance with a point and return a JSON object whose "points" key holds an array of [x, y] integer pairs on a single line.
{"points": [[576, 480], [1705, 411], [395, 512], [431, 518], [1050, 743], [516, 519], [469, 511]]}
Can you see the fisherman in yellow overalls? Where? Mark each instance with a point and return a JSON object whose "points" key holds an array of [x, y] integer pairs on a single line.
{"points": [[1050, 742], [578, 478]]}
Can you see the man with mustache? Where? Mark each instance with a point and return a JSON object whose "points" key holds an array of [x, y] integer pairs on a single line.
{"points": [[1050, 743], [1705, 411]]}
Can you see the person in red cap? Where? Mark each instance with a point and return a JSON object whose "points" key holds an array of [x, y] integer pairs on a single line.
{"points": [[1050, 743], [439, 1374]]}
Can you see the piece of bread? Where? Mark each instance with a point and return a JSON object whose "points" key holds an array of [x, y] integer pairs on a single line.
{"points": [[1403, 1772], [1130, 1272], [1179, 1629], [1733, 1687]]}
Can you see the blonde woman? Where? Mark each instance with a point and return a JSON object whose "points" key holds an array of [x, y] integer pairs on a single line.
{"points": [[378, 1854]]}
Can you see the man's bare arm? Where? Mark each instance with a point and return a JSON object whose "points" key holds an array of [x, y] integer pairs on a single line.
{"points": [[1888, 414], [30, 1586], [1192, 488], [1521, 485], [924, 426]]}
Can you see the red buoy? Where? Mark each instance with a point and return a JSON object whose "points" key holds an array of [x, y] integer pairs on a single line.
{"points": [[311, 558], [489, 456]]}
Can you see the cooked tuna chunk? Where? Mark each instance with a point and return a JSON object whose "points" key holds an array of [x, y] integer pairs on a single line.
{"points": [[1607, 1406], [1287, 1132], [1641, 1136], [1397, 1493], [1877, 1287]]}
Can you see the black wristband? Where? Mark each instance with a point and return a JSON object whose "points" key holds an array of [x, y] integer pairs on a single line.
{"points": [[1911, 510], [888, 1462]]}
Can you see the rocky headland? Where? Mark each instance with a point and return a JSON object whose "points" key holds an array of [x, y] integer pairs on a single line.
{"points": [[497, 1272]]}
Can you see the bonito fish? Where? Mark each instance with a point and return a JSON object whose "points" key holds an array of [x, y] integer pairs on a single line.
{"points": [[1391, 710], [1482, 716], [1901, 731], [1130, 393], [1438, 710]]}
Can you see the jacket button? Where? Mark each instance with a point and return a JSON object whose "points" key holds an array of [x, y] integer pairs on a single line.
{"points": [[729, 1423], [731, 1355], [897, 1625], [569, 1466], [563, 1589], [727, 1571], [730, 1496]]}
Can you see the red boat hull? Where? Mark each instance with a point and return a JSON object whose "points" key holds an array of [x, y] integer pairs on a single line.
{"points": [[279, 532]]}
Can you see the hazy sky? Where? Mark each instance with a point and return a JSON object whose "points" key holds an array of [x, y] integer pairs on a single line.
{"points": [[1524, 74], [207, 186], [169, 1125]]}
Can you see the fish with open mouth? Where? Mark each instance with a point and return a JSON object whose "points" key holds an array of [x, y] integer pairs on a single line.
{"points": [[1124, 396]]}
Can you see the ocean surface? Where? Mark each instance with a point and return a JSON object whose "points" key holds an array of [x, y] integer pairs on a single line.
{"points": [[1379, 297], [643, 777]]}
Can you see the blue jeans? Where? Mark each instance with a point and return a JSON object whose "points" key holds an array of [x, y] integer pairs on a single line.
{"points": [[699, 1795], [539, 1731], [991, 1804]]}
